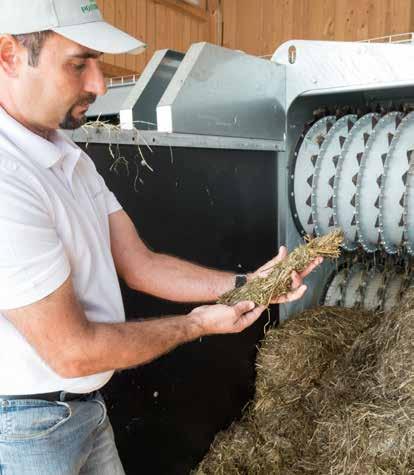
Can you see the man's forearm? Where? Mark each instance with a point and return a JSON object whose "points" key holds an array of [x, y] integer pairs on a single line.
{"points": [[181, 281], [115, 346]]}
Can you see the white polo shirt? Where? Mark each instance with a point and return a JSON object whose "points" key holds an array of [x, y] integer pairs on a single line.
{"points": [[54, 209]]}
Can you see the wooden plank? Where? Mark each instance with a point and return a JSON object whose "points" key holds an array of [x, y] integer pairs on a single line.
{"points": [[161, 26], [151, 30], [131, 22], [195, 12], [109, 15], [215, 22], [177, 26], [186, 33], [203, 31], [249, 27], [112, 71], [120, 22], [141, 29], [229, 23], [321, 20], [411, 16], [272, 26], [194, 33], [401, 11]]}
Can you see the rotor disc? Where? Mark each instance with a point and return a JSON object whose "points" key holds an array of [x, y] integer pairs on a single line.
{"points": [[369, 180], [393, 185], [355, 286], [392, 291], [345, 184], [408, 215], [301, 172], [324, 174], [373, 295], [334, 294]]}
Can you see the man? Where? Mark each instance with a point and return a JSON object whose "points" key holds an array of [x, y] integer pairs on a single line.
{"points": [[64, 238]]}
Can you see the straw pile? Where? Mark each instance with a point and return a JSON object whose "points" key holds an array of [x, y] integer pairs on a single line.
{"points": [[278, 282], [334, 395]]}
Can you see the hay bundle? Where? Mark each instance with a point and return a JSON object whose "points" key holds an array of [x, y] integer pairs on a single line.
{"points": [[262, 290]]}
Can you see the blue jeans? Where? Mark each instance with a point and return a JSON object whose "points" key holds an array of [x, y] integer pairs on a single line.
{"points": [[57, 438]]}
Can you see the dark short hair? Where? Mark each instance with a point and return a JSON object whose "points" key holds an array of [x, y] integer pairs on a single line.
{"points": [[34, 42]]}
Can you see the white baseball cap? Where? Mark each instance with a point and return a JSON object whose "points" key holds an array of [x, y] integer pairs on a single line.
{"points": [[78, 20]]}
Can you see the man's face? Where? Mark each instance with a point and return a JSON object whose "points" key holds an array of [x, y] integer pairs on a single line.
{"points": [[58, 92]]}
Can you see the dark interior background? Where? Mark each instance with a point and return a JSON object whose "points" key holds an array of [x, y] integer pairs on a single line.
{"points": [[217, 208]]}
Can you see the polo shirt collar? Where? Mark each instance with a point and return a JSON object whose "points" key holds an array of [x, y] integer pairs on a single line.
{"points": [[46, 153]]}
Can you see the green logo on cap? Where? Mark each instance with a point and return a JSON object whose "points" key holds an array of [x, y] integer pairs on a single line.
{"points": [[91, 7]]}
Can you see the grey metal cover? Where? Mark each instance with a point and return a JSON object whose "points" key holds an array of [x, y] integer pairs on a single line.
{"points": [[355, 286], [221, 92], [392, 291], [321, 67], [373, 297], [304, 168], [369, 180], [335, 293], [111, 103], [324, 174], [139, 108], [393, 185], [345, 185]]}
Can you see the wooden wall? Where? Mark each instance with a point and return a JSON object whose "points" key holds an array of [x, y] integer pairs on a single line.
{"points": [[161, 24], [255, 26], [259, 27]]}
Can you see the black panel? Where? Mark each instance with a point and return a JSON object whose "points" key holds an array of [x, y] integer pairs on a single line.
{"points": [[217, 208]]}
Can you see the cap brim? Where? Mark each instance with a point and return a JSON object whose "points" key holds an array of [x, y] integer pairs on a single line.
{"points": [[103, 37]]}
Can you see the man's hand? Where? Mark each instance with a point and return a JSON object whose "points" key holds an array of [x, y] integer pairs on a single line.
{"points": [[298, 288], [218, 319]]}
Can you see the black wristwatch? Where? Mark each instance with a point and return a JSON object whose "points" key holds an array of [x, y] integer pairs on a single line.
{"points": [[240, 280]]}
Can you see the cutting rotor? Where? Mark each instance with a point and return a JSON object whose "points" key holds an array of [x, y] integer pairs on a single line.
{"points": [[393, 185], [301, 171], [346, 178], [369, 180], [322, 195]]}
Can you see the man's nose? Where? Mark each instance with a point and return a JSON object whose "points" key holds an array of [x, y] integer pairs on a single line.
{"points": [[95, 81]]}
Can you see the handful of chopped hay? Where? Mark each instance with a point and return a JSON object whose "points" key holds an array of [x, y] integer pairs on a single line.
{"points": [[262, 290]]}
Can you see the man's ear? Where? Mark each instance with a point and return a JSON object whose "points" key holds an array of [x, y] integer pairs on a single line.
{"points": [[10, 55]]}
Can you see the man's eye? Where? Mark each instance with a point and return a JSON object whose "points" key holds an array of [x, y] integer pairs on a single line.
{"points": [[79, 67]]}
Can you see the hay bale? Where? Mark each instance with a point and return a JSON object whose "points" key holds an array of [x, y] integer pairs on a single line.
{"points": [[295, 355], [335, 395], [395, 347], [363, 438], [241, 451], [274, 433], [367, 422], [290, 365]]}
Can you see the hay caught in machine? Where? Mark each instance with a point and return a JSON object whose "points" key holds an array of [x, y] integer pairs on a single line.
{"points": [[113, 131], [262, 290], [334, 395]]}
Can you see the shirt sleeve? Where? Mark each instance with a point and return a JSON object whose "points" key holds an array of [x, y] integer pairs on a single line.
{"points": [[97, 182], [33, 262], [112, 204]]}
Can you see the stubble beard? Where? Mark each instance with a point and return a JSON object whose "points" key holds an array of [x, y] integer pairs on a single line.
{"points": [[70, 122]]}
